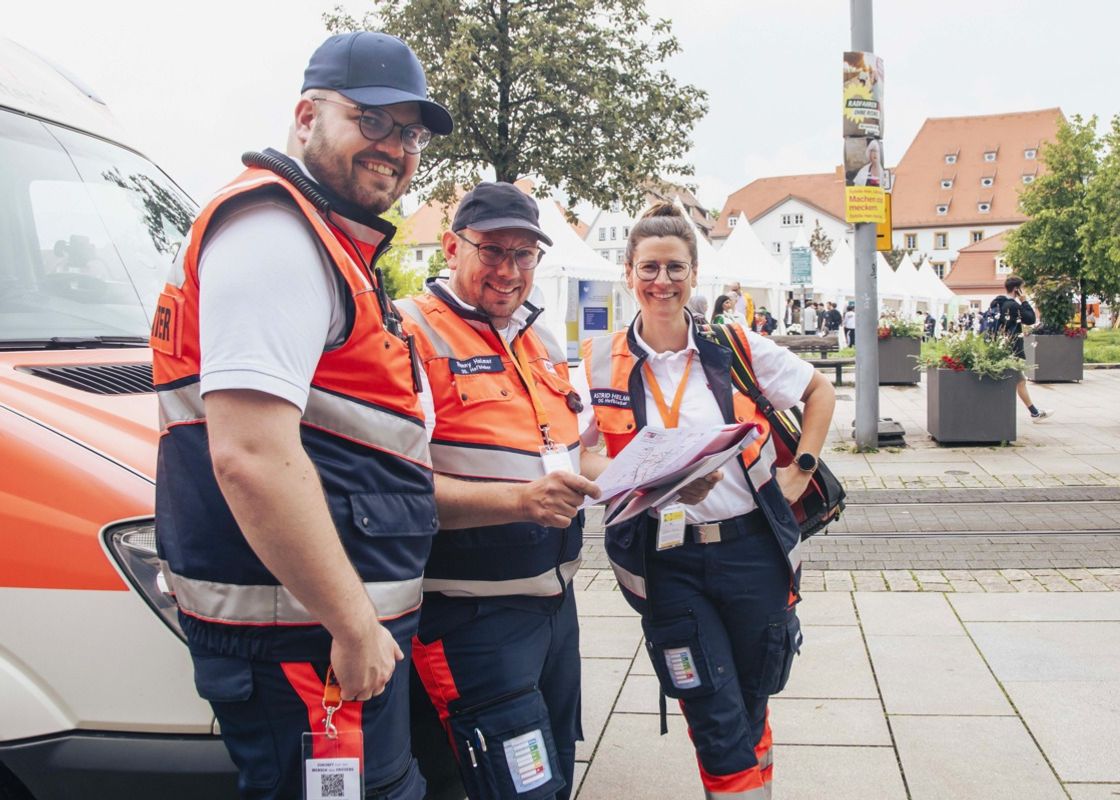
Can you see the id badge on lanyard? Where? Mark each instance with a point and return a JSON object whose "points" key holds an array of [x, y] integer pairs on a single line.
{"points": [[555, 458], [332, 759], [670, 526]]}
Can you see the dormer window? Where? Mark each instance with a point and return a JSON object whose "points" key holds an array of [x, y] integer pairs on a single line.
{"points": [[1028, 178], [950, 158], [987, 182], [984, 207], [990, 156], [731, 221], [942, 209], [946, 183], [1031, 153]]}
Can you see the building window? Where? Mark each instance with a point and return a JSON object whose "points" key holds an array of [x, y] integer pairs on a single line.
{"points": [[950, 158], [787, 219], [990, 156], [1028, 179], [1002, 267], [776, 247], [943, 209], [619, 256], [911, 241], [616, 206], [1030, 154], [602, 234], [939, 268], [946, 183], [614, 233], [976, 236], [984, 208], [798, 219], [419, 255], [625, 231], [987, 182], [941, 240], [731, 221]]}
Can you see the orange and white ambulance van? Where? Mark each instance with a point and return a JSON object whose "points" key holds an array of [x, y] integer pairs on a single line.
{"points": [[96, 686]]}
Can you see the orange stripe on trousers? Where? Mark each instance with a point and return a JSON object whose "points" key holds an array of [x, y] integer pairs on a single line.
{"points": [[303, 678]]}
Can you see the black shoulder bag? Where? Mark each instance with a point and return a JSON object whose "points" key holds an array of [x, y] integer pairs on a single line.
{"points": [[823, 499]]}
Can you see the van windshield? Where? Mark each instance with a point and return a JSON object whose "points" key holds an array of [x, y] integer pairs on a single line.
{"points": [[88, 231]]}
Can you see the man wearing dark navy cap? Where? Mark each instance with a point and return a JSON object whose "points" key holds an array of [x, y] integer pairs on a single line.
{"points": [[295, 500], [498, 645]]}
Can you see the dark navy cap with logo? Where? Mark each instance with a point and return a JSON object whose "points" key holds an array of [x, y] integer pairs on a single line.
{"points": [[374, 69], [498, 206]]}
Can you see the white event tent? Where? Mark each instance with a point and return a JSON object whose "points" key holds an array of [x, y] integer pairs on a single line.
{"points": [[569, 259], [933, 290], [745, 259]]}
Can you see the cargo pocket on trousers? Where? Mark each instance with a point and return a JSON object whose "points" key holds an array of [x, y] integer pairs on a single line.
{"points": [[505, 747], [226, 683], [782, 642], [683, 664]]}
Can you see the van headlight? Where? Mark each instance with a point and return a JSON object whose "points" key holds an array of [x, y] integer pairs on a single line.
{"points": [[133, 545]]}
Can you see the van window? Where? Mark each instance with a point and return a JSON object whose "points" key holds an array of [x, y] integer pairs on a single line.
{"points": [[88, 231]]}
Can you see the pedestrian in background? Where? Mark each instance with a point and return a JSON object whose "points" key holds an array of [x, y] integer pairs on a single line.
{"points": [[1013, 311], [850, 325]]}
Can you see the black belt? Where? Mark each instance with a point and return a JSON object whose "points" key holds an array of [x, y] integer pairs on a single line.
{"points": [[727, 530]]}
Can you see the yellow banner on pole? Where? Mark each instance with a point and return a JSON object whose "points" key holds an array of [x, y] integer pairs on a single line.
{"points": [[884, 231], [865, 204]]}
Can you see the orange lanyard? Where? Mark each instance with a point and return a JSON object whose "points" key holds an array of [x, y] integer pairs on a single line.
{"points": [[521, 364], [669, 415]]}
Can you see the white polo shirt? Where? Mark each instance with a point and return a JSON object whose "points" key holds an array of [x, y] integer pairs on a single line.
{"points": [[782, 376]]}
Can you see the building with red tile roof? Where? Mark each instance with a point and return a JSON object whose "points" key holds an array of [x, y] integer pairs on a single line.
{"points": [[959, 181], [979, 271]]}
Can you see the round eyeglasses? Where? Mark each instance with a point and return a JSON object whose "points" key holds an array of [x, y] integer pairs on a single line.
{"points": [[377, 123], [649, 270], [525, 258]]}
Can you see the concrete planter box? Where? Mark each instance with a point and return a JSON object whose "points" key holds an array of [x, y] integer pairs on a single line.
{"points": [[1054, 357], [963, 407], [898, 360]]}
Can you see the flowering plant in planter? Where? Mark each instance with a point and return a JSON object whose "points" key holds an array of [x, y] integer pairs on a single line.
{"points": [[987, 356], [892, 326], [1074, 332]]}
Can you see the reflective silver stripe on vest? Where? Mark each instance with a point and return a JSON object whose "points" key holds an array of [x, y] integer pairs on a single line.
{"points": [[330, 412], [761, 793], [759, 473], [543, 585], [409, 308], [490, 463], [367, 425], [275, 605], [599, 365], [794, 555], [635, 584], [766, 759]]}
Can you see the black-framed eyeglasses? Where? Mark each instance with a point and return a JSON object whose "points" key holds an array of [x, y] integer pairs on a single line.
{"points": [[377, 123], [649, 270], [525, 258]]}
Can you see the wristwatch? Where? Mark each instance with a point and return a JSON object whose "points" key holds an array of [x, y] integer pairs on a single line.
{"points": [[806, 462]]}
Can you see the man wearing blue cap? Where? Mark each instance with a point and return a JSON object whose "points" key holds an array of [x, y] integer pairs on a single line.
{"points": [[295, 505], [498, 645]]}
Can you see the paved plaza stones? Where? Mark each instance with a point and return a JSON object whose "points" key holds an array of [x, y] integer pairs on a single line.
{"points": [[962, 626]]}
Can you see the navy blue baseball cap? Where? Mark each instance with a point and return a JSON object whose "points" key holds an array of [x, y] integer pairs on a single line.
{"points": [[374, 69], [498, 206]]}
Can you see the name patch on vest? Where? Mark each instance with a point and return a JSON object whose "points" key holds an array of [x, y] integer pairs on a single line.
{"points": [[610, 397], [476, 365]]}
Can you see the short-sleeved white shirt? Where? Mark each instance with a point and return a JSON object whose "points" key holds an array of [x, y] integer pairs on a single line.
{"points": [[782, 376]]}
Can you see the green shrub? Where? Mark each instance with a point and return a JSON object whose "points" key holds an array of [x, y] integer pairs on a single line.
{"points": [[987, 356]]}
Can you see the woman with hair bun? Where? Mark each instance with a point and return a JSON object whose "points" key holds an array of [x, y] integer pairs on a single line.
{"points": [[718, 601]]}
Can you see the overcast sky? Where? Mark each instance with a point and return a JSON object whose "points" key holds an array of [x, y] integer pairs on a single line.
{"points": [[196, 83]]}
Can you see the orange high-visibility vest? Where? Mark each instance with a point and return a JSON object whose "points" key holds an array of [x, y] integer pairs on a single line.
{"points": [[362, 428], [486, 428]]}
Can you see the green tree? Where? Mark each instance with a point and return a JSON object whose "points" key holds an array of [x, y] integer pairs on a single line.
{"points": [[437, 263], [822, 245], [1049, 244], [571, 92], [401, 280], [1100, 233]]}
